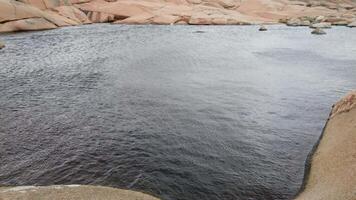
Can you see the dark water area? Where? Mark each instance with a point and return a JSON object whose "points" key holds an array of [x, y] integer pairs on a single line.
{"points": [[223, 113]]}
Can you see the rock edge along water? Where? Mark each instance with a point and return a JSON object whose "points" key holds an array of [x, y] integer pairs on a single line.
{"points": [[331, 167], [25, 15], [70, 192]]}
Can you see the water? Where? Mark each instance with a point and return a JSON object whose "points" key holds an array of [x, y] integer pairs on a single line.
{"points": [[223, 113]]}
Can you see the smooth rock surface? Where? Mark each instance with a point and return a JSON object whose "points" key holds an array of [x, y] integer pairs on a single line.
{"points": [[70, 192], [27, 25], [332, 173]]}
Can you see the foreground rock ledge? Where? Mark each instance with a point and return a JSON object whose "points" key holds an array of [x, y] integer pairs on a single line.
{"points": [[332, 173], [70, 192]]}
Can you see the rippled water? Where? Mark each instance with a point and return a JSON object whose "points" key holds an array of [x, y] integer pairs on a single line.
{"points": [[223, 113]]}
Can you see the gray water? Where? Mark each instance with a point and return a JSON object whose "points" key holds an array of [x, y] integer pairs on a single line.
{"points": [[223, 113]]}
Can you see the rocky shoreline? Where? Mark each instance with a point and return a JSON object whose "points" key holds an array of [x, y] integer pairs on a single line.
{"points": [[330, 167], [29, 15]]}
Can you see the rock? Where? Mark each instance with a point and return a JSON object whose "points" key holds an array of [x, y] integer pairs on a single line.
{"points": [[319, 19], [321, 25], [318, 31], [2, 45], [70, 192], [262, 28], [30, 24], [99, 17], [352, 24], [294, 22], [73, 13], [330, 172], [181, 22], [165, 19], [305, 23]]}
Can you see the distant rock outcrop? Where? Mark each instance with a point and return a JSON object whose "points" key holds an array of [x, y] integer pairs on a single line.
{"points": [[46, 14]]}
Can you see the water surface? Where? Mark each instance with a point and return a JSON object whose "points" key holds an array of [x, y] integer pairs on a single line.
{"points": [[223, 113]]}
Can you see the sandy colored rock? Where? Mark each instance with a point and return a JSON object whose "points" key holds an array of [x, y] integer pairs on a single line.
{"points": [[194, 12], [2, 45], [30, 24], [13, 10], [318, 31], [165, 19], [47, 4], [332, 173], [352, 24], [100, 17], [321, 25], [70, 192], [294, 22], [72, 13]]}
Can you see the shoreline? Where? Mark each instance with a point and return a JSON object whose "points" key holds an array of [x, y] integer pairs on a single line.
{"points": [[30, 15]]}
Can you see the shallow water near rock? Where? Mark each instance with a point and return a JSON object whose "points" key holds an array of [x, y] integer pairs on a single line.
{"points": [[180, 112]]}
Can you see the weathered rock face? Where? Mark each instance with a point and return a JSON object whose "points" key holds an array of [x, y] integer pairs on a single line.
{"points": [[195, 12], [70, 192], [332, 171]]}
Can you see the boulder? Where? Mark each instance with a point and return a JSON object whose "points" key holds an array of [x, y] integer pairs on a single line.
{"points": [[321, 25], [318, 31], [2, 45], [294, 22], [319, 19], [262, 28], [30, 24]]}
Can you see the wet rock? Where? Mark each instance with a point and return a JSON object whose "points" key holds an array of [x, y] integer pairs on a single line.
{"points": [[321, 25], [318, 31], [262, 28], [2, 45]]}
